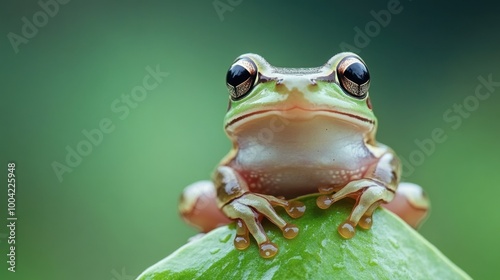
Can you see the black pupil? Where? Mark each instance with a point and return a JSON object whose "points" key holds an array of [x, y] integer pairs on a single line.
{"points": [[357, 73], [237, 75]]}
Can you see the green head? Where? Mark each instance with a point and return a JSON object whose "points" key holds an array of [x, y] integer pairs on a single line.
{"points": [[337, 90]]}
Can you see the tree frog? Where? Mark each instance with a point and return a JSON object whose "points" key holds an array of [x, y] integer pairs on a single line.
{"points": [[298, 131]]}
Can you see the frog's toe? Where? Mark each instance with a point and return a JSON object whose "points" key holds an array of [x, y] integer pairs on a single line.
{"points": [[293, 208], [241, 240], [326, 190], [368, 194], [361, 214], [347, 229], [268, 249], [324, 201], [248, 209], [366, 222], [247, 221]]}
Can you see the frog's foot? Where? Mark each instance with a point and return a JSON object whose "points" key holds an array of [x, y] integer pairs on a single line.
{"points": [[368, 194], [410, 203], [198, 207], [249, 208]]}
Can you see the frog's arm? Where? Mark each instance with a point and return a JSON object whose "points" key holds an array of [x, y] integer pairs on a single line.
{"points": [[377, 185], [237, 203]]}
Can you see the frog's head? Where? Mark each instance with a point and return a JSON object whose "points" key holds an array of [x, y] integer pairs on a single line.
{"points": [[337, 90]]}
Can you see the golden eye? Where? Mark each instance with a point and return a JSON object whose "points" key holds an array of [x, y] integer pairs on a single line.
{"points": [[354, 77], [240, 78]]}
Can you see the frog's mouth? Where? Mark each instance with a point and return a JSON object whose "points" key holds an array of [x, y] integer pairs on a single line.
{"points": [[299, 113]]}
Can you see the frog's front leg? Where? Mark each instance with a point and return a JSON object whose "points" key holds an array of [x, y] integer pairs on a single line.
{"points": [[238, 203], [378, 185]]}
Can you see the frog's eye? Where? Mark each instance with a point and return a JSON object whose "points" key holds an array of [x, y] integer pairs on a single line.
{"points": [[353, 76], [240, 78]]}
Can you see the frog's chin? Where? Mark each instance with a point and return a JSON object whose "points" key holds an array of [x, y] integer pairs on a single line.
{"points": [[299, 114]]}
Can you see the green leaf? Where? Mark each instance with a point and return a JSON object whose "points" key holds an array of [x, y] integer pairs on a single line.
{"points": [[389, 250]]}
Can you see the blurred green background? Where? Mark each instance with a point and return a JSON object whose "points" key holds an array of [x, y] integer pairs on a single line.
{"points": [[115, 214]]}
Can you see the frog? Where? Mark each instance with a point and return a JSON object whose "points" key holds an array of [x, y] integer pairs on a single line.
{"points": [[296, 132]]}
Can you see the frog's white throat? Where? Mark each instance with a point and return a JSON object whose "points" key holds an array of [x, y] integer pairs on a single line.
{"points": [[303, 146]]}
